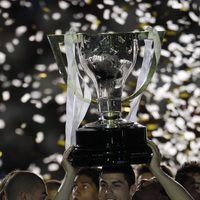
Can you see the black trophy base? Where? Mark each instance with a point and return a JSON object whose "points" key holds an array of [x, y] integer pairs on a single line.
{"points": [[113, 146]]}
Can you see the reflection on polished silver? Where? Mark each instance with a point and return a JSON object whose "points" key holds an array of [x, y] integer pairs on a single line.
{"points": [[107, 59]]}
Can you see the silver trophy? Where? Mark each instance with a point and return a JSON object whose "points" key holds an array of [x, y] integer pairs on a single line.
{"points": [[108, 59]]}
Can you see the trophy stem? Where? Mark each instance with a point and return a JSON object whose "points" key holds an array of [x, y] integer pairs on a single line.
{"points": [[110, 110]]}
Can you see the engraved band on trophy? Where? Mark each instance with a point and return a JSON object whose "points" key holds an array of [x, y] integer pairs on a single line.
{"points": [[107, 59]]}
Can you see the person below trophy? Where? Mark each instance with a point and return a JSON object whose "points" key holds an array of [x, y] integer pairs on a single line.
{"points": [[118, 182]]}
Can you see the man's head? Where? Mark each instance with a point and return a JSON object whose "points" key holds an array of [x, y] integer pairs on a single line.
{"points": [[24, 184], [117, 182], [188, 175], [86, 184], [150, 189], [52, 188], [143, 172]]}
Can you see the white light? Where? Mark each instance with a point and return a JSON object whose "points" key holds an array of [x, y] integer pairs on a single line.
{"points": [[5, 15], [19, 131], [32, 38], [183, 75], [39, 36], [94, 26], [139, 13], [9, 22], [100, 6], [10, 47], [56, 16], [109, 2], [62, 119], [5, 4], [90, 17], [53, 167], [1, 163], [53, 158], [172, 26], [2, 124], [60, 98], [39, 137], [16, 82], [40, 67], [63, 5], [35, 169], [181, 146], [36, 84], [157, 133], [27, 79], [181, 158], [189, 135], [6, 95], [39, 118], [36, 94], [2, 57], [20, 30], [186, 38], [196, 119], [106, 14], [165, 53], [15, 41], [25, 98], [193, 16], [46, 99], [180, 122], [23, 125]]}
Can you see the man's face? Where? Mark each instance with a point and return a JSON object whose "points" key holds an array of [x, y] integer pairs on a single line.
{"points": [[113, 186], [84, 188], [193, 185]]}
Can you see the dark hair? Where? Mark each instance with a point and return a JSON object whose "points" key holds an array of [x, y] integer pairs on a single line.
{"points": [[19, 181], [93, 173], [126, 170], [149, 188], [141, 169], [183, 172]]}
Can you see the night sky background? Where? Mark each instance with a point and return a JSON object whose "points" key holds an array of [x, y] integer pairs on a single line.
{"points": [[32, 100]]}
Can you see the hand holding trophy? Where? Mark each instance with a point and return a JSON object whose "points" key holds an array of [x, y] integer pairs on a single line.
{"points": [[107, 59]]}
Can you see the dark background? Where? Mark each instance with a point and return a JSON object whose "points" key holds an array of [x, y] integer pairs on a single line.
{"points": [[32, 101]]}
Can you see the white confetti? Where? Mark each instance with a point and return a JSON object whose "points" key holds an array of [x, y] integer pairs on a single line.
{"points": [[6, 95], [20, 30], [2, 124], [5, 4], [2, 57], [39, 118]]}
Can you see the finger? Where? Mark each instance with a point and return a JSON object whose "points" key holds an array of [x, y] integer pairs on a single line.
{"points": [[67, 152], [154, 148]]}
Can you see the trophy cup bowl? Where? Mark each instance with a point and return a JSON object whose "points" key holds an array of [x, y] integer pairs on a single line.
{"points": [[108, 59]]}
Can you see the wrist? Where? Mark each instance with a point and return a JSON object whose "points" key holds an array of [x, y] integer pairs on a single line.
{"points": [[156, 170]]}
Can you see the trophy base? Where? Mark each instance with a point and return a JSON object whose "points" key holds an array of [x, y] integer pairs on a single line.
{"points": [[113, 146]]}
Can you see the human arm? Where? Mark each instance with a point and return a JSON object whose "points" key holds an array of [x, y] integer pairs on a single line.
{"points": [[173, 189], [65, 189]]}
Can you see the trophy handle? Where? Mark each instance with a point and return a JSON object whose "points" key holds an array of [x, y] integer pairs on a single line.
{"points": [[142, 35], [54, 41]]}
